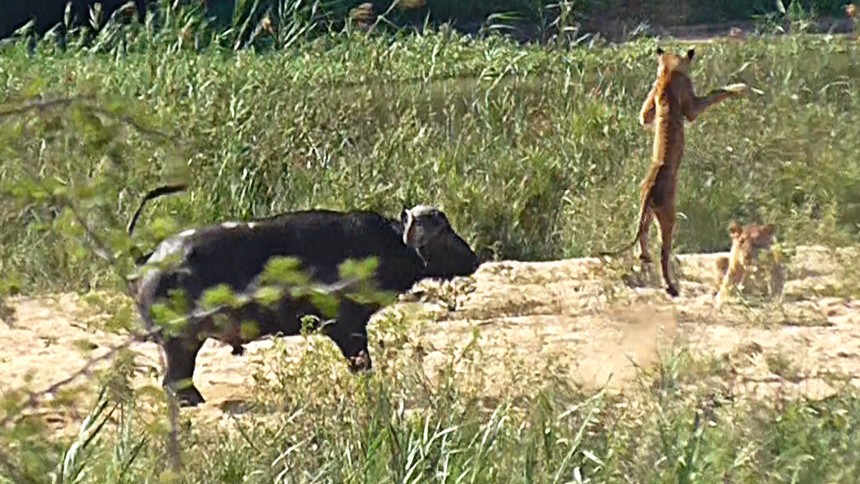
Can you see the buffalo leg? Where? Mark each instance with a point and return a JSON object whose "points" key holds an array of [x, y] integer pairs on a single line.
{"points": [[181, 355], [349, 333]]}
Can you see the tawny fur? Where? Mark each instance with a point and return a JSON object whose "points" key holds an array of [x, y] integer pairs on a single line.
{"points": [[747, 242], [671, 100]]}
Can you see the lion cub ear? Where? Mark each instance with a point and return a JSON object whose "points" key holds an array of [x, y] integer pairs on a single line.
{"points": [[735, 229], [660, 51], [691, 53]]}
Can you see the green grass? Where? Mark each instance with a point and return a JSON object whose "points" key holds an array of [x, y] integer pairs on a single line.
{"points": [[460, 12], [534, 153], [398, 426]]}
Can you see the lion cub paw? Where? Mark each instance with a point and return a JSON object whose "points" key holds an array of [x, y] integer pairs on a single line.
{"points": [[737, 88]]}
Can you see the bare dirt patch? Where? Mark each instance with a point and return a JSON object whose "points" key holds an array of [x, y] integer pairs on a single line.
{"points": [[574, 319]]}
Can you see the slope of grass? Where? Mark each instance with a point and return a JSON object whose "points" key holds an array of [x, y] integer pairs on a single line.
{"points": [[534, 152]]}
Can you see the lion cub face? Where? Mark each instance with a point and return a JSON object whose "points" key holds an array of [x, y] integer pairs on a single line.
{"points": [[750, 240], [747, 244], [667, 62]]}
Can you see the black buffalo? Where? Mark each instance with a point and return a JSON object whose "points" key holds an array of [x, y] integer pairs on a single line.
{"points": [[48, 14], [421, 244]]}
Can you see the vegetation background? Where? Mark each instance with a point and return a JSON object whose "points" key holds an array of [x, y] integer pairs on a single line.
{"points": [[532, 149]]}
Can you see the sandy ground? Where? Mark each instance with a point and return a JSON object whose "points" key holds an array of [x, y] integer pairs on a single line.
{"points": [[578, 314]]}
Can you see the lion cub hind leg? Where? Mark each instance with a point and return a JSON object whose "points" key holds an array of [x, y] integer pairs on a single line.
{"points": [[666, 219], [721, 267], [645, 228]]}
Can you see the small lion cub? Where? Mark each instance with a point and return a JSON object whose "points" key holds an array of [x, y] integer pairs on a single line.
{"points": [[743, 264]]}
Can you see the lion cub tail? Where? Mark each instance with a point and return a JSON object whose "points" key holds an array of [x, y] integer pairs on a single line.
{"points": [[643, 228]]}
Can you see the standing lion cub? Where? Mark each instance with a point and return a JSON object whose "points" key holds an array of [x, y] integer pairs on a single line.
{"points": [[671, 101]]}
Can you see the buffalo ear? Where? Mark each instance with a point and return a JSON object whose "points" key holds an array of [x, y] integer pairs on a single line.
{"points": [[404, 216], [442, 217]]}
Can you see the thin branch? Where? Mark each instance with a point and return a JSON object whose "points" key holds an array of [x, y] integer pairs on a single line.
{"points": [[35, 397], [41, 105], [243, 298], [99, 248], [65, 102]]}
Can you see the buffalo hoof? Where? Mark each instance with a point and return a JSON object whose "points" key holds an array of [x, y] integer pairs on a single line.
{"points": [[360, 363], [189, 397], [672, 291]]}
